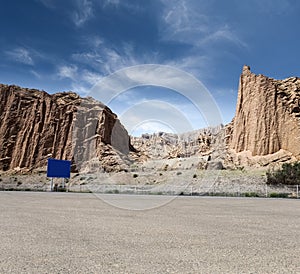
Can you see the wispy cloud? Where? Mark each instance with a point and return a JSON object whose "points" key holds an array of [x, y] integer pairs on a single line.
{"points": [[83, 12], [221, 35], [115, 3], [68, 72], [81, 79], [271, 7], [182, 22], [188, 22], [47, 3], [36, 74], [20, 55], [183, 84], [106, 59]]}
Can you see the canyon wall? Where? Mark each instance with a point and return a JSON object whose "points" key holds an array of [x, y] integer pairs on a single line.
{"points": [[267, 115], [35, 126]]}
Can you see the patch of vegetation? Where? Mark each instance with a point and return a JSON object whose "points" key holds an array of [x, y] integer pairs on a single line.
{"points": [[251, 194], [135, 175], [289, 174], [278, 195], [195, 176], [179, 173], [114, 191]]}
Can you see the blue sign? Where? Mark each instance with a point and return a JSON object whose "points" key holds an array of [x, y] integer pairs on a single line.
{"points": [[58, 168]]}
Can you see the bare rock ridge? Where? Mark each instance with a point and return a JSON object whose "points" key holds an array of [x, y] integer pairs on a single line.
{"points": [[36, 125], [267, 117]]}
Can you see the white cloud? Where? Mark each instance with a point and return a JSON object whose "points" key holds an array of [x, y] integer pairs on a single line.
{"points": [[83, 12], [106, 59], [197, 65], [162, 76], [82, 80], [90, 77], [188, 22], [68, 72], [36, 74], [182, 22], [20, 55], [223, 34]]}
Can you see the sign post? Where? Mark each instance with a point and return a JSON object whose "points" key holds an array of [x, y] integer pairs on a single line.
{"points": [[58, 169]]}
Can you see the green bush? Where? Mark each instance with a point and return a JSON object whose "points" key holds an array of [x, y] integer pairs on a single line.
{"points": [[289, 174], [251, 194], [279, 195]]}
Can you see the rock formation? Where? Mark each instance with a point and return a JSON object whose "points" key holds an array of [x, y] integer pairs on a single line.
{"points": [[36, 125], [163, 145], [267, 117]]}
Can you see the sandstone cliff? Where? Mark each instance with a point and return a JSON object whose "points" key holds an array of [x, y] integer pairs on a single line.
{"points": [[267, 117], [36, 125]]}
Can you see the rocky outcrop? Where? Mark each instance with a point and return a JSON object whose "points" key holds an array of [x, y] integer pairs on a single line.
{"points": [[267, 117], [36, 125], [204, 148]]}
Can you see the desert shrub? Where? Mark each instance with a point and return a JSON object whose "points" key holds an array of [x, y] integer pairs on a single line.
{"points": [[289, 174], [178, 173], [279, 195], [251, 194], [135, 175], [195, 176]]}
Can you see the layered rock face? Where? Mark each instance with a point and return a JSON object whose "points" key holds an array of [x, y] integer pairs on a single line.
{"points": [[169, 146], [267, 115], [36, 125], [198, 149]]}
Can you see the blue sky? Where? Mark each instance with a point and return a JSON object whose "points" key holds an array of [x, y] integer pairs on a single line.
{"points": [[66, 45]]}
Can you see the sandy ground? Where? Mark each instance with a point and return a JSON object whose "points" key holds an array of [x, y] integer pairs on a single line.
{"points": [[79, 233]]}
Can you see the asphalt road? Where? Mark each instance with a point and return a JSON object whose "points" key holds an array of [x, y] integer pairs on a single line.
{"points": [[79, 233]]}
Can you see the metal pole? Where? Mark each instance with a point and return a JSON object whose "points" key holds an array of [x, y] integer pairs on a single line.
{"points": [[51, 185]]}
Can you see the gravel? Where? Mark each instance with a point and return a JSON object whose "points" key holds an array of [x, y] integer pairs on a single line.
{"points": [[80, 233]]}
